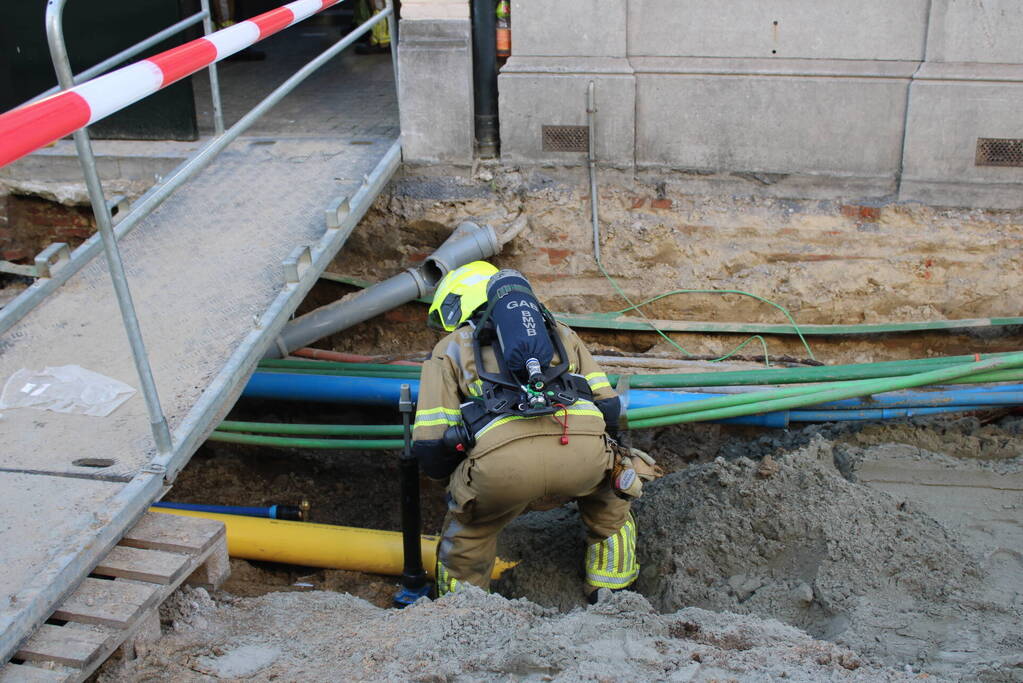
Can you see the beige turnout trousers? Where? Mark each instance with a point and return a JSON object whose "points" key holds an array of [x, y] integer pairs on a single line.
{"points": [[488, 492]]}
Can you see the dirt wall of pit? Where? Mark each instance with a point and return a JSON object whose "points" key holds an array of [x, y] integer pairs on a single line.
{"points": [[825, 262]]}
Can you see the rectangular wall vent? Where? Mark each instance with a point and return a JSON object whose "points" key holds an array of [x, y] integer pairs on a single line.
{"points": [[566, 139], [1000, 152]]}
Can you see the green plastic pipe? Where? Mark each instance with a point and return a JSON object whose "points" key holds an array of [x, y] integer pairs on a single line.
{"points": [[676, 380], [293, 442], [985, 377], [309, 429], [614, 321], [343, 373], [637, 415], [829, 373], [334, 365], [772, 401]]}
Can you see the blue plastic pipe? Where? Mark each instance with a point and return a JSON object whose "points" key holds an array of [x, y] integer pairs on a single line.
{"points": [[875, 414], [270, 512], [928, 399], [384, 392]]}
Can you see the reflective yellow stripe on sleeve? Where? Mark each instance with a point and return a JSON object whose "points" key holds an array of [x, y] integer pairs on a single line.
{"points": [[438, 416], [597, 380]]}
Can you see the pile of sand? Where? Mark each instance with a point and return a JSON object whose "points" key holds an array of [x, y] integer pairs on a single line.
{"points": [[791, 539], [473, 636]]}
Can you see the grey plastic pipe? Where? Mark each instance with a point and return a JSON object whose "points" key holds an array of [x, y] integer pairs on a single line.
{"points": [[469, 242]]}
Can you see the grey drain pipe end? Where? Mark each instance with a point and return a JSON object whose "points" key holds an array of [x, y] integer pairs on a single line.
{"points": [[478, 244]]}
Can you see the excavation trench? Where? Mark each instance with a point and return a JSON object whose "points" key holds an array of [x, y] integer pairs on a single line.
{"points": [[897, 540]]}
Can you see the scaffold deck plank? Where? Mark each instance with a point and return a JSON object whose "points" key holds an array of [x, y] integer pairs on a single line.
{"points": [[203, 270]]}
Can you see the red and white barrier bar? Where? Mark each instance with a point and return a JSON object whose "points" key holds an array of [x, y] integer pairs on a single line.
{"points": [[26, 129]]}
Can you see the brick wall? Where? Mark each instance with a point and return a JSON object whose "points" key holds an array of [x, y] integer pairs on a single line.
{"points": [[30, 224]]}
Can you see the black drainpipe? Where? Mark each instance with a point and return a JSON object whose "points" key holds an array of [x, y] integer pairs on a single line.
{"points": [[484, 75]]}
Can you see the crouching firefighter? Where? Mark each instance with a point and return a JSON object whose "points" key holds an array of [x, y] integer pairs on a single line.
{"points": [[513, 408]]}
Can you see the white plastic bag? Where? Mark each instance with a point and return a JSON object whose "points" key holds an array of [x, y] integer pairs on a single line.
{"points": [[65, 389]]}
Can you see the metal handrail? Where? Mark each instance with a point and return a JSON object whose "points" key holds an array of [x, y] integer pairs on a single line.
{"points": [[140, 47], [108, 235], [155, 196], [104, 223]]}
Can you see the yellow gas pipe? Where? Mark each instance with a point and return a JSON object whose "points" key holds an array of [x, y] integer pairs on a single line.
{"points": [[321, 545]]}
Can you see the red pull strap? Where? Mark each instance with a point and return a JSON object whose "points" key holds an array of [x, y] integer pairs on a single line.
{"points": [[564, 425]]}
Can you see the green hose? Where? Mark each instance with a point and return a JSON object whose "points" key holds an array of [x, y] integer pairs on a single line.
{"points": [[277, 363], [311, 430], [291, 442], [737, 405], [638, 415], [343, 373], [800, 375], [818, 374], [614, 321]]}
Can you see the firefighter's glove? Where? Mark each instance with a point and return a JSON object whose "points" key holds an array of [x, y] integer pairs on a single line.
{"points": [[646, 467]]}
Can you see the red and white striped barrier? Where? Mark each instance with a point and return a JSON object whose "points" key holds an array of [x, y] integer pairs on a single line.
{"points": [[26, 129]]}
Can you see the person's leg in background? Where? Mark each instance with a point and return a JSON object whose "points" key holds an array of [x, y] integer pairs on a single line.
{"points": [[379, 37]]}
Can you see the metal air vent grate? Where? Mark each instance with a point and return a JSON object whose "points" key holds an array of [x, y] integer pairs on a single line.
{"points": [[566, 139], [1000, 152]]}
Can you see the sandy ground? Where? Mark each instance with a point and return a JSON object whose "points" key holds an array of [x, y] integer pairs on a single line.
{"points": [[472, 636]]}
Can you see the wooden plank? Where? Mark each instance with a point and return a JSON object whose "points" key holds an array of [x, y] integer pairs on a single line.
{"points": [[25, 673], [71, 645], [112, 603], [128, 604], [159, 531], [142, 564]]}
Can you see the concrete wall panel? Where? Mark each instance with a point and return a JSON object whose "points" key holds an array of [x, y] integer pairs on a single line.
{"points": [[568, 28], [435, 91], [950, 108], [976, 31], [535, 92], [820, 29], [755, 122]]}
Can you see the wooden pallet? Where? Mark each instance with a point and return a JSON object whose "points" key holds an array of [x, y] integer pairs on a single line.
{"points": [[117, 605]]}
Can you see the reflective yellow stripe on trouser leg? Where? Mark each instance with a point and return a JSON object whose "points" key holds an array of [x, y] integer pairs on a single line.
{"points": [[611, 563], [445, 582]]}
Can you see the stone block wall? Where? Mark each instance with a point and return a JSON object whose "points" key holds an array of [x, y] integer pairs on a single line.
{"points": [[865, 98], [818, 98], [435, 90]]}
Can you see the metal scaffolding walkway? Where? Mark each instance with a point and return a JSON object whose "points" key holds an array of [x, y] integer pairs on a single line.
{"points": [[214, 272]]}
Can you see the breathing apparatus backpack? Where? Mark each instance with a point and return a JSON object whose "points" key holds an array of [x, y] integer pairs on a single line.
{"points": [[524, 336]]}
